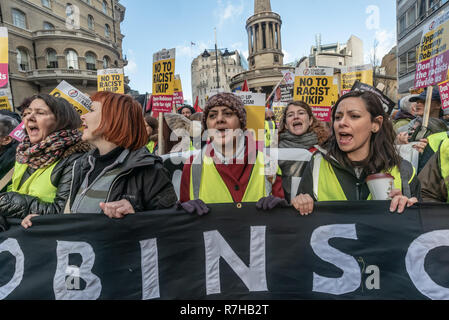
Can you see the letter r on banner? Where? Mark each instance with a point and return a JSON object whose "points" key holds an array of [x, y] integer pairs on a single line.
{"points": [[253, 277], [93, 283]]}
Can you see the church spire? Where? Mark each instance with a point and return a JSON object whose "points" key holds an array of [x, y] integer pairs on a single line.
{"points": [[262, 6]]}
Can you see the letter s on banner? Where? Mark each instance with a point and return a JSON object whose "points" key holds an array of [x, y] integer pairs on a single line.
{"points": [[93, 283], [414, 262], [352, 277], [12, 246]]}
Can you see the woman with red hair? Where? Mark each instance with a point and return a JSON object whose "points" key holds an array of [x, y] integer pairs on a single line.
{"points": [[119, 176]]}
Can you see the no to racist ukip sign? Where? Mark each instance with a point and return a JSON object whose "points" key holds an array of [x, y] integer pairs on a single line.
{"points": [[316, 87], [79, 100], [111, 80], [433, 54], [3, 57], [163, 80], [349, 75]]}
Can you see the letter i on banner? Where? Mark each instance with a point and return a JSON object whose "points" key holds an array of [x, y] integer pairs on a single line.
{"points": [[3, 57]]}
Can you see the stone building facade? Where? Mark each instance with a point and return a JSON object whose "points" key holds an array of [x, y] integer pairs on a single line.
{"points": [[266, 60], [335, 55], [204, 72], [54, 40]]}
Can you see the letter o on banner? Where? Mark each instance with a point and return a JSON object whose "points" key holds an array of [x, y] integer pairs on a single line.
{"points": [[12, 246], [414, 262]]}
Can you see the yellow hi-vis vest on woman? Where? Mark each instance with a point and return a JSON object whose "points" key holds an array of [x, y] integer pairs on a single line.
{"points": [[206, 184], [37, 185], [326, 186], [436, 139], [444, 164]]}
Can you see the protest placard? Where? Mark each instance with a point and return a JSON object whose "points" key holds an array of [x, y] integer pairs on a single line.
{"points": [[278, 109], [163, 80], [432, 53], [349, 75], [3, 57], [178, 96], [79, 100], [255, 112], [111, 80], [19, 132], [316, 87], [444, 94], [4, 103]]}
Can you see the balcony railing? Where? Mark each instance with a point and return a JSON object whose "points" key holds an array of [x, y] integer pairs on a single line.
{"points": [[73, 33], [61, 73]]}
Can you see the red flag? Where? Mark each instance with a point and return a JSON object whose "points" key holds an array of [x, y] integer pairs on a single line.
{"points": [[245, 86], [197, 106]]}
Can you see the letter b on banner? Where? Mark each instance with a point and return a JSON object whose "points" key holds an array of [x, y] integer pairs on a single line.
{"points": [[63, 285]]}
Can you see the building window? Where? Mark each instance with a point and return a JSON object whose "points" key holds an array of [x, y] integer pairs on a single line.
{"points": [[411, 60], [71, 59], [402, 25], [106, 62], [105, 7], [48, 26], [69, 10], [23, 59], [90, 22], [91, 61], [19, 19], [276, 58], [46, 3], [107, 31], [407, 62], [52, 59], [411, 16], [422, 9]]}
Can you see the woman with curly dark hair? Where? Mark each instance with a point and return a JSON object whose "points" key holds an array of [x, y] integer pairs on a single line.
{"points": [[362, 144], [299, 129]]}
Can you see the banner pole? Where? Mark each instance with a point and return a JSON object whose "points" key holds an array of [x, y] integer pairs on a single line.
{"points": [[274, 90], [160, 139]]}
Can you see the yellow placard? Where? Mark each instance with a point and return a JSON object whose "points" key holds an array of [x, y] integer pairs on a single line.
{"points": [[178, 85], [113, 82], [278, 112], [255, 120], [164, 77], [3, 49], [4, 104], [79, 100], [348, 79], [318, 91]]}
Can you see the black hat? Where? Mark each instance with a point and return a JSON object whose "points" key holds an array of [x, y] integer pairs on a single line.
{"points": [[186, 106]]}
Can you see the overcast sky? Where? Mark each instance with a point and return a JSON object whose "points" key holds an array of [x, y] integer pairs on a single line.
{"points": [[151, 25]]}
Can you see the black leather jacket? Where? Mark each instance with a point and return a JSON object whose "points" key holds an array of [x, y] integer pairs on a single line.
{"points": [[16, 205], [142, 180]]}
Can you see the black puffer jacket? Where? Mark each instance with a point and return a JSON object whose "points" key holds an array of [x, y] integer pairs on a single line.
{"points": [[16, 205], [142, 180]]}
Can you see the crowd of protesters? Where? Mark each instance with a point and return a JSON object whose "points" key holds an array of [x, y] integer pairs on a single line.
{"points": [[108, 160]]}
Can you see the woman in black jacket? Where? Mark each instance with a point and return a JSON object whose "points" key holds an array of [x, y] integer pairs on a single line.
{"points": [[120, 176], [362, 144]]}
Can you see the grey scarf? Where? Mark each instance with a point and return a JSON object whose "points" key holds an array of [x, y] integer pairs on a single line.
{"points": [[305, 141]]}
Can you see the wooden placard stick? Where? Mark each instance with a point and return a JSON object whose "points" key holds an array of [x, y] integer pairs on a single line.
{"points": [[160, 138], [427, 106]]}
